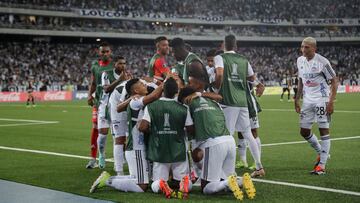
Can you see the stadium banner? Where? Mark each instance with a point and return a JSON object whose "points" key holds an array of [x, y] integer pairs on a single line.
{"points": [[39, 96], [79, 95], [352, 88], [328, 21]]}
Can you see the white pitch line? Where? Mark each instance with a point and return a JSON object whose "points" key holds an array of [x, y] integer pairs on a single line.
{"points": [[25, 120], [22, 124], [293, 110], [308, 187], [300, 142], [256, 180], [49, 153]]}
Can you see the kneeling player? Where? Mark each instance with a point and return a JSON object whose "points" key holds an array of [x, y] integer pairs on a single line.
{"points": [[164, 121], [135, 150]]}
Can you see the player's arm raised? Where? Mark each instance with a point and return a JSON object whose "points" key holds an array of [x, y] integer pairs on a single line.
{"points": [[156, 94], [298, 96]]}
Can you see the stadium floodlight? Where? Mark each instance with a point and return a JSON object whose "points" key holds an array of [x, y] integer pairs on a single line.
{"points": [[98, 39]]}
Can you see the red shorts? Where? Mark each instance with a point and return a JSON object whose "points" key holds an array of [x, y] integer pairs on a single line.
{"points": [[94, 114]]}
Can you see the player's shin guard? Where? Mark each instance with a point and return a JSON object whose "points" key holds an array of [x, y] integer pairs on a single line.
{"points": [[125, 185], [312, 139], [325, 149], [242, 151], [119, 158], [94, 136], [253, 146]]}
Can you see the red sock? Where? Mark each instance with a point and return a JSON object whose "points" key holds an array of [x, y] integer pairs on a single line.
{"points": [[94, 136]]}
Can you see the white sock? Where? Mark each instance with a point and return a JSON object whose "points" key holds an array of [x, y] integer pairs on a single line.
{"points": [[101, 141], [240, 181], [242, 150], [253, 147], [325, 149], [312, 139], [119, 158], [125, 185], [258, 141], [155, 186], [215, 187]]}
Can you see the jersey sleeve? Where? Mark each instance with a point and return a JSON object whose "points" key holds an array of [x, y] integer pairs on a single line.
{"points": [[160, 67], [146, 115], [328, 71], [298, 67], [218, 61], [137, 104], [250, 70], [189, 121]]}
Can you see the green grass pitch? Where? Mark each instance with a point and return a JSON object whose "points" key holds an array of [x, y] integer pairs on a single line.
{"points": [[279, 123]]}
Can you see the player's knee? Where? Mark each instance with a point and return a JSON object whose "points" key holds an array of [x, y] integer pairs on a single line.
{"points": [[104, 131], [305, 132], [254, 132], [240, 136], [144, 187], [324, 131], [120, 140]]}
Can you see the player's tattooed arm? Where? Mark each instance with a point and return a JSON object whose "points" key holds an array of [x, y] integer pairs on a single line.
{"points": [[92, 88], [156, 94], [298, 96], [333, 90]]}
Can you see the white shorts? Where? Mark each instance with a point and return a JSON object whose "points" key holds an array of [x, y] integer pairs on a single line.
{"points": [[254, 122], [119, 128], [162, 170], [102, 121], [219, 161], [314, 112], [237, 119], [138, 165]]}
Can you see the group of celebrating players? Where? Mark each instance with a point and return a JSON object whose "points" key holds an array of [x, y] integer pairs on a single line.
{"points": [[176, 125]]}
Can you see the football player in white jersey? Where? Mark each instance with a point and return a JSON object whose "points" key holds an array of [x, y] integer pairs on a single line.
{"points": [[315, 73], [119, 120]]}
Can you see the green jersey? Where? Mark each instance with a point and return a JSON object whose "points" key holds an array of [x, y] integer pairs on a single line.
{"points": [[209, 119], [166, 141], [191, 57], [179, 69], [151, 65], [97, 71], [234, 86]]}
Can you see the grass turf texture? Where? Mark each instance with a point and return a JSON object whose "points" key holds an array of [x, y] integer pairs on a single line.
{"points": [[288, 163]]}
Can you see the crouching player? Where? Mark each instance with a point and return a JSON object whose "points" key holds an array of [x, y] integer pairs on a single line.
{"points": [[215, 143], [164, 122]]}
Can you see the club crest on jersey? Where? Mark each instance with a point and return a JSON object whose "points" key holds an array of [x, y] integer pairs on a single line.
{"points": [[166, 120], [234, 69], [314, 69]]}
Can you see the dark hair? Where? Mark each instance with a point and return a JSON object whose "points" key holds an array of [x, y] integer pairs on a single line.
{"points": [[104, 44], [130, 84], [184, 92], [170, 88], [218, 52], [159, 39], [211, 53], [117, 58], [177, 43], [188, 47], [230, 42]]}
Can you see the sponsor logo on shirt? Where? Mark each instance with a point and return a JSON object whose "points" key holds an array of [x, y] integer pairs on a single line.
{"points": [[309, 83]]}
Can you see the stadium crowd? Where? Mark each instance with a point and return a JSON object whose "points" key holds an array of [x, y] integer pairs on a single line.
{"points": [[91, 25], [237, 9], [49, 64]]}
